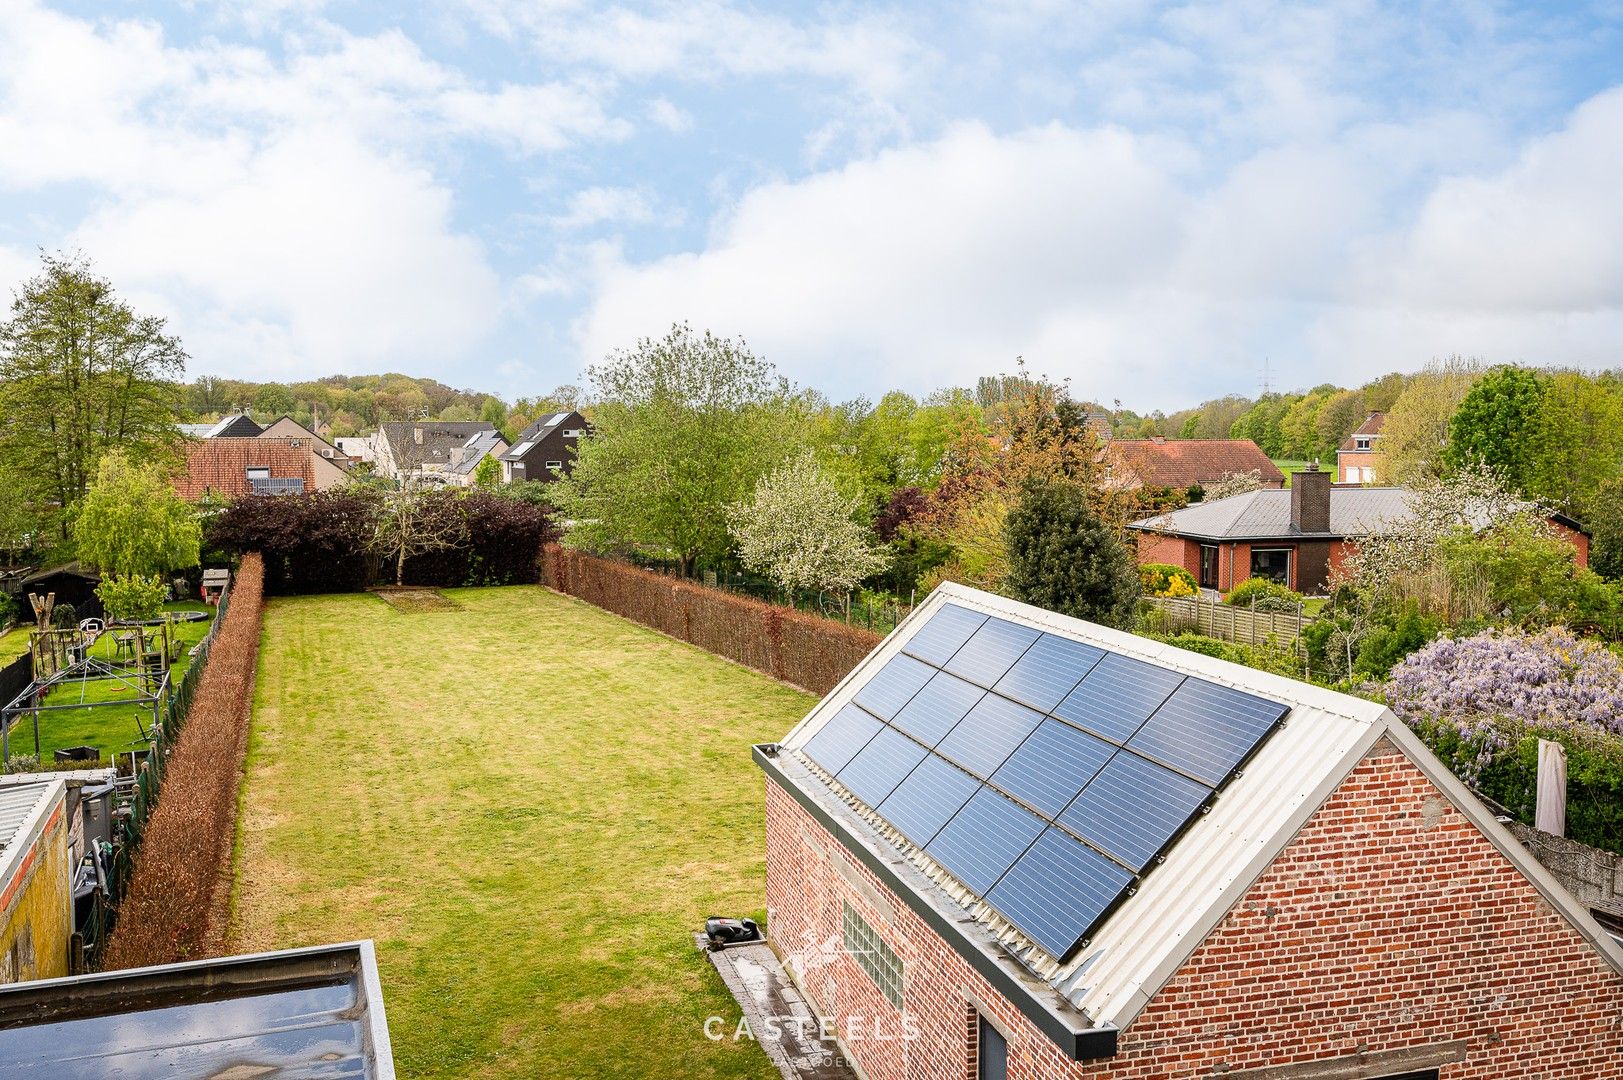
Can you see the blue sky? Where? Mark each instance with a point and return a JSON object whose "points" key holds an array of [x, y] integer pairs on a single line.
{"points": [[1148, 199]]}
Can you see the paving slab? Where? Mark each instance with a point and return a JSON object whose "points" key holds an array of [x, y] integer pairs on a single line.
{"points": [[777, 1013]]}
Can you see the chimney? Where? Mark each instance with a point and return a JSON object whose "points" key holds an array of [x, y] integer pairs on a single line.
{"points": [[417, 434], [1310, 500]]}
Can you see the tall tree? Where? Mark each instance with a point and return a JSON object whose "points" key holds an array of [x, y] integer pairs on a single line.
{"points": [[1416, 432], [1064, 557], [684, 426], [132, 523], [1494, 423], [80, 374]]}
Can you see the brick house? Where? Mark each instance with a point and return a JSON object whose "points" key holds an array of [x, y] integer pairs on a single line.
{"points": [[1359, 459], [229, 468], [1013, 844], [1297, 537], [1180, 464]]}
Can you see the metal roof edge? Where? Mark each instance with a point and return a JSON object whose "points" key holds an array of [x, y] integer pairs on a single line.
{"points": [[1068, 1028], [30, 828], [1242, 882], [1501, 838]]}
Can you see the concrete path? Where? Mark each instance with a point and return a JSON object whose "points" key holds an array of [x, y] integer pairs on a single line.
{"points": [[778, 1015]]}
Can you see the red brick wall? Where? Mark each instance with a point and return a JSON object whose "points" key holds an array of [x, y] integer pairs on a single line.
{"points": [[1389, 922], [1154, 548], [1577, 539]]}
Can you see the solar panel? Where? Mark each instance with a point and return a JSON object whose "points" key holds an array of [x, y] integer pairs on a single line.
{"points": [[988, 734], [1048, 671], [893, 686], [991, 651], [935, 709], [1052, 792], [947, 629], [838, 740], [983, 839], [1117, 696], [1206, 730], [881, 765], [1133, 807], [1057, 891], [927, 799], [1052, 765]]}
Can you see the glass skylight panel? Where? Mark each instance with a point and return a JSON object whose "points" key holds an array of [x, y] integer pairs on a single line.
{"points": [[947, 629], [991, 651], [1053, 765], [839, 739], [1117, 696], [880, 765], [1048, 671], [1133, 807], [894, 684], [988, 734], [1057, 891], [936, 708], [984, 839], [927, 799], [1207, 730]]}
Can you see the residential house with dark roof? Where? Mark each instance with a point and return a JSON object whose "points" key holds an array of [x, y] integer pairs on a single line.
{"points": [[1296, 537], [546, 449], [230, 468], [1179, 464], [1359, 460], [1012, 843], [426, 451], [235, 426]]}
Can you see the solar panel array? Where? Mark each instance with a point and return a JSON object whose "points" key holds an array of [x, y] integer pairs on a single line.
{"points": [[1045, 774]]}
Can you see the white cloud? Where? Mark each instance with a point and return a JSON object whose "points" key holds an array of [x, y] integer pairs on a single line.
{"points": [[670, 116], [600, 205], [1100, 255]]}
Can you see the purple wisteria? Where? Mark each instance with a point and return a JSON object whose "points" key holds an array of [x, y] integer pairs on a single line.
{"points": [[1507, 679]]}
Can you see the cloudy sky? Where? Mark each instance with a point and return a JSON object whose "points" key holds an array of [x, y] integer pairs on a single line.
{"points": [[1149, 199]]}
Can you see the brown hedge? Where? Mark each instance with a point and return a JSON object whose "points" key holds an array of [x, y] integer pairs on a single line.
{"points": [[804, 650], [176, 906]]}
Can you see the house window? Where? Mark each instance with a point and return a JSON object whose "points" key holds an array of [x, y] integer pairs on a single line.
{"points": [[1362, 443], [573, 433], [1208, 566], [991, 1052], [872, 955], [255, 473], [555, 464], [1423, 1074], [1271, 563]]}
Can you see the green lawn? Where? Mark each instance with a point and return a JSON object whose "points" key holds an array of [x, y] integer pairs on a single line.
{"points": [[111, 729], [530, 805]]}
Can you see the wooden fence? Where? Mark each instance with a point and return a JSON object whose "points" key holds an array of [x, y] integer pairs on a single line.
{"points": [[1242, 625]]}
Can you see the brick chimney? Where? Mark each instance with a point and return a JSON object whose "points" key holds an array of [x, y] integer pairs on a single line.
{"points": [[1310, 500]]}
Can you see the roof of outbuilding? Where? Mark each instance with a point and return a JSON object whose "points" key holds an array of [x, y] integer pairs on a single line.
{"points": [[1372, 425], [221, 465], [1179, 463], [1140, 943], [23, 812], [1266, 515]]}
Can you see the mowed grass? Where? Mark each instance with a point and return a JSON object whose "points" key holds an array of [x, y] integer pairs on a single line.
{"points": [[530, 805]]}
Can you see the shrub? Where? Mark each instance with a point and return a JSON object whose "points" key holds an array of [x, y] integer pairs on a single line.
{"points": [[1064, 557], [64, 616], [177, 902], [1264, 594], [8, 609], [1272, 658], [807, 651], [1164, 579]]}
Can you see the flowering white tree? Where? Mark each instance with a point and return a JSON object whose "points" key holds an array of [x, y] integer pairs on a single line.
{"points": [[802, 533], [1234, 483]]}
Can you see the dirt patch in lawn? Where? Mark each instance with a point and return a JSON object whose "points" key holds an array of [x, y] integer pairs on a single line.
{"points": [[413, 600]]}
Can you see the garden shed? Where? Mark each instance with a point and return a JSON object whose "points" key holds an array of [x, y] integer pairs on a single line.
{"points": [[36, 881], [1011, 843]]}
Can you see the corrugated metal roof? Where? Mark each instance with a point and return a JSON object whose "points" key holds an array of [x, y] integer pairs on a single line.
{"points": [[1144, 941], [17, 805]]}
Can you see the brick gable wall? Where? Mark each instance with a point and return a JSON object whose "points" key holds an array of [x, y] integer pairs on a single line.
{"points": [[1389, 922]]}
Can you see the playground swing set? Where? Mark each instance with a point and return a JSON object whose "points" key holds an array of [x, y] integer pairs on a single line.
{"points": [[133, 671]]}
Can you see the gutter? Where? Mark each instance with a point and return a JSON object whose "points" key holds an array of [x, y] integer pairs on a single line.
{"points": [[1070, 1029]]}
